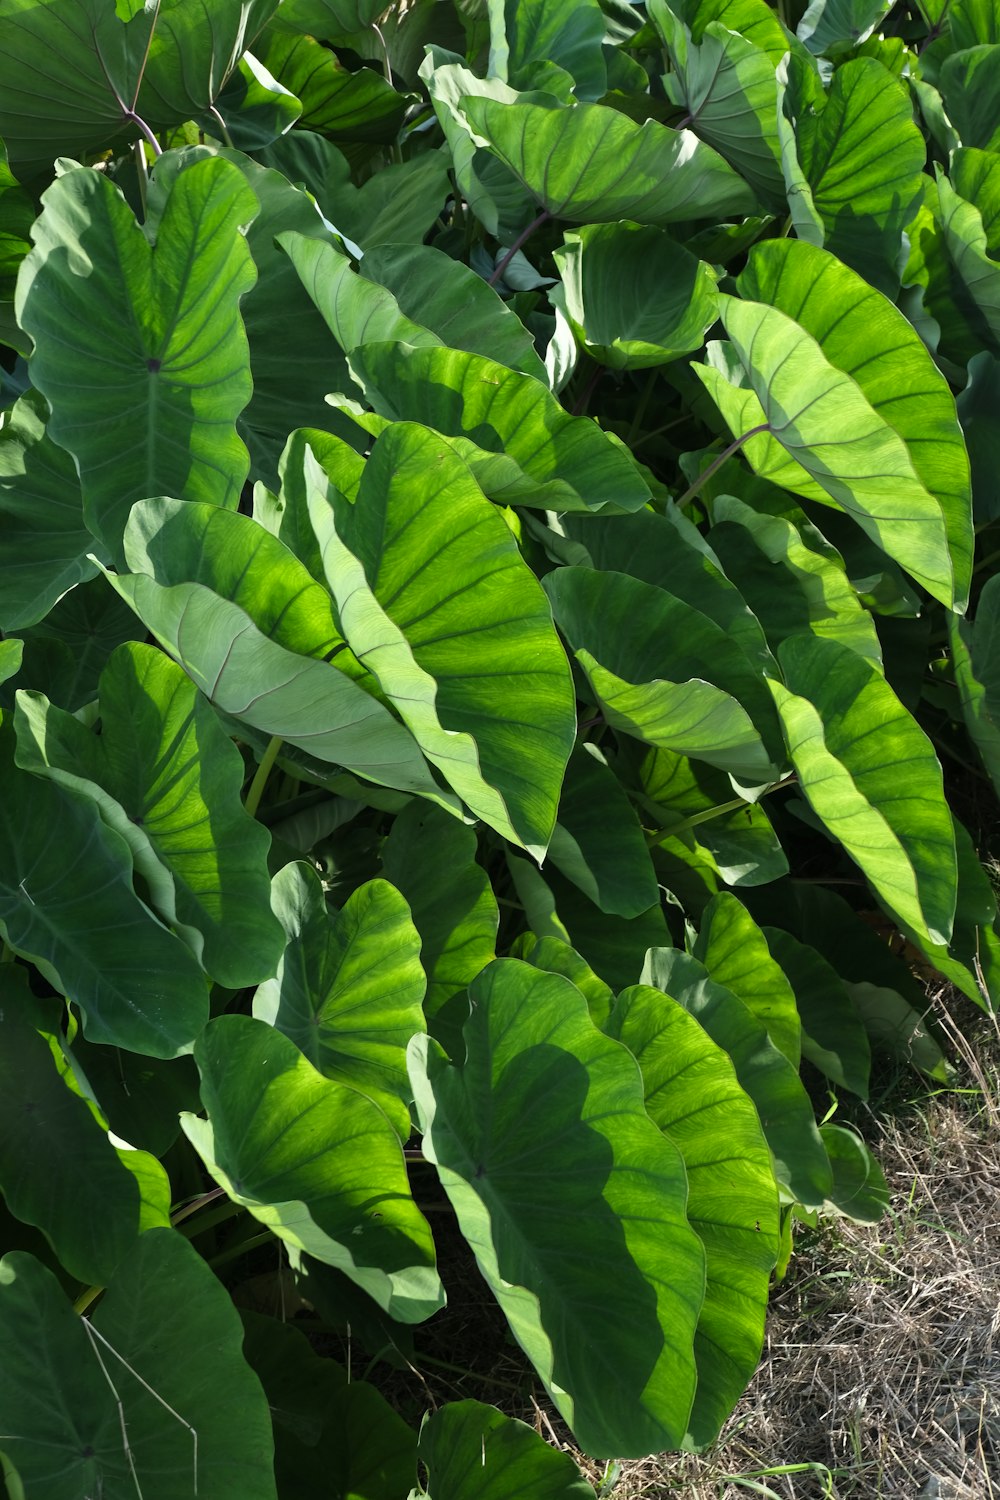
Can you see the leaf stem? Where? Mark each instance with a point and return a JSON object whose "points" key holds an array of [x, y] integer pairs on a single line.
{"points": [[640, 407], [145, 131], [522, 239], [86, 1299], [262, 773], [717, 462]]}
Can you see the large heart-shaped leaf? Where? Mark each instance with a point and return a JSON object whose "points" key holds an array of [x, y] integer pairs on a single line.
{"points": [[349, 986], [863, 335], [833, 1036], [521, 445], [358, 106], [598, 842], [633, 296], [592, 165], [474, 1452], [57, 1165], [807, 426], [970, 86], [692, 1093], [67, 902], [566, 33], [152, 1390], [736, 954], [431, 858], [314, 1160], [619, 629], [544, 1128], [44, 540], [236, 651], [786, 1115], [848, 736], [167, 778], [950, 261], [140, 352], [436, 602]]}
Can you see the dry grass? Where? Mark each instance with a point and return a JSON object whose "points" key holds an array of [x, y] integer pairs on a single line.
{"points": [[881, 1372]]}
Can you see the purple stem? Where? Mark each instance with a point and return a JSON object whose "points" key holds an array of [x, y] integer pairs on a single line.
{"points": [[521, 239], [717, 462]]}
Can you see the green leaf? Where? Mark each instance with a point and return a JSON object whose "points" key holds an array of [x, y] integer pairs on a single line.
{"points": [[824, 439], [349, 986], [140, 352], [849, 736], [231, 654], [617, 627], [344, 106], [11, 655], [254, 107], [634, 297], [833, 1036], [949, 260], [58, 1170], [521, 446], [17, 214], [736, 955], [975, 176], [859, 1187], [598, 842], [473, 1452], [792, 588], [565, 33], [67, 903], [726, 85], [557, 957], [44, 540], [692, 1094], [865, 337], [977, 674], [168, 781], [800, 1162], [315, 1161], [329, 20], [835, 26], [66, 652], [863, 158], [970, 85], [151, 1390], [543, 1126], [431, 859], [453, 302], [436, 602], [592, 165]]}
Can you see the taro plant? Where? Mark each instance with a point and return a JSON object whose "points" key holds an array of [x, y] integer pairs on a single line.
{"points": [[497, 510]]}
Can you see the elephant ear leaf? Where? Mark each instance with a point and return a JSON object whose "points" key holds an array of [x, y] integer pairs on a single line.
{"points": [[608, 1313], [140, 350]]}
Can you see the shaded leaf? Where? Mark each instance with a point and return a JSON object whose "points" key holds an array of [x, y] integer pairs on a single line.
{"points": [[473, 1452], [859, 1187]]}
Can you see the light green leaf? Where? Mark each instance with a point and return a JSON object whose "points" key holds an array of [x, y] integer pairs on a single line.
{"points": [[473, 1452], [949, 260], [590, 164], [863, 158], [835, 26], [329, 20], [849, 738], [67, 902], [11, 656], [58, 1170], [566, 33], [976, 664], [633, 296], [833, 1036], [726, 84], [140, 352], [254, 107], [168, 780], [98, 1406], [544, 1126], [859, 1187], [436, 602], [453, 302], [431, 859], [44, 540], [865, 337], [315, 1161], [234, 648], [356, 310], [617, 628], [970, 85], [349, 986], [692, 1094], [557, 957], [522, 447], [736, 955], [339, 104], [793, 589], [975, 176], [824, 439], [598, 842], [786, 1115]]}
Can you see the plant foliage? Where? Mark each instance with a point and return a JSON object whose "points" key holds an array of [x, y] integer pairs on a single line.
{"points": [[498, 516]]}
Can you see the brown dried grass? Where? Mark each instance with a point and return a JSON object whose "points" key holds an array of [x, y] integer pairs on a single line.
{"points": [[881, 1370]]}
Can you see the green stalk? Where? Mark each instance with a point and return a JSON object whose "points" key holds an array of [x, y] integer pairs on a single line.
{"points": [[263, 772], [717, 463]]}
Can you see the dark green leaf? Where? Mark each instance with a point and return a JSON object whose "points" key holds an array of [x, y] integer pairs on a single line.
{"points": [[474, 1452]]}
